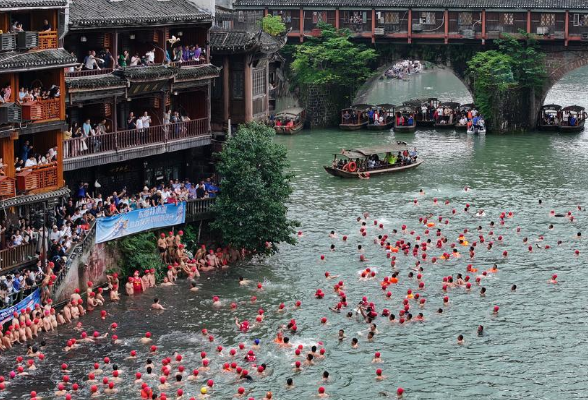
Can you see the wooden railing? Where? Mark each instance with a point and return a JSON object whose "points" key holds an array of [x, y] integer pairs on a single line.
{"points": [[88, 72], [198, 207], [120, 140], [38, 177], [41, 110], [188, 63], [17, 255], [47, 40], [7, 187]]}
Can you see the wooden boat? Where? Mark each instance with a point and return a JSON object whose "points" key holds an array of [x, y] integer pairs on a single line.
{"points": [[574, 113], [426, 119], [354, 163], [297, 115], [548, 119], [447, 122], [387, 113], [406, 112], [354, 118], [479, 130], [463, 110]]}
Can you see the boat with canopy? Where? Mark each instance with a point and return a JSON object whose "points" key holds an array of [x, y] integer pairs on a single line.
{"points": [[355, 117], [290, 121]]}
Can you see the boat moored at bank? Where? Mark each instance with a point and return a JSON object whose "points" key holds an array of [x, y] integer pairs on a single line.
{"points": [[572, 119], [549, 117], [382, 117], [355, 117], [404, 121]]}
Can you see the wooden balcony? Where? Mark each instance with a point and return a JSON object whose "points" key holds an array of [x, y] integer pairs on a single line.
{"points": [[41, 110], [134, 138], [47, 40], [15, 256], [88, 72], [190, 63], [37, 178], [7, 187]]}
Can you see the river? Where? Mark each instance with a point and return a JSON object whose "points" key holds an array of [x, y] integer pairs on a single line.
{"points": [[534, 348]]}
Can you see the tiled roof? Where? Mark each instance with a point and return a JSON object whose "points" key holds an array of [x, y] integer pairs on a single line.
{"points": [[221, 39], [33, 198], [106, 81], [123, 13], [156, 72], [7, 4], [35, 59], [478, 4], [207, 71]]}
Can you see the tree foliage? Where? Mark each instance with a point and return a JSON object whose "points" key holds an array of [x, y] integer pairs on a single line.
{"points": [[250, 210], [273, 25], [332, 58], [515, 64], [139, 252]]}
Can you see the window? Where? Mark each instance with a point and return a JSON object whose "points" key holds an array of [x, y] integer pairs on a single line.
{"points": [[237, 84], [241, 16], [392, 18], [465, 18], [428, 18], [259, 83], [547, 19], [319, 16], [508, 19], [580, 19]]}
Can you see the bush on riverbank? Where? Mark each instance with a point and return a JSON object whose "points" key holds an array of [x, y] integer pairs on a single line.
{"points": [[516, 64], [139, 252], [250, 211]]}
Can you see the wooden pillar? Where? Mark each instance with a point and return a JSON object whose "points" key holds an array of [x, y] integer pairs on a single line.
{"points": [[62, 97], [567, 28], [59, 144], [446, 22], [301, 25], [114, 115], [267, 90], [483, 26], [410, 26], [7, 146], [115, 47], [373, 25], [337, 16], [248, 87], [529, 21], [265, 12], [226, 91], [14, 86]]}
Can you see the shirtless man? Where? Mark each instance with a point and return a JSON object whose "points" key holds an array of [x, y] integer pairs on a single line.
{"points": [[129, 287], [162, 246], [166, 282], [156, 305], [145, 279], [170, 246]]}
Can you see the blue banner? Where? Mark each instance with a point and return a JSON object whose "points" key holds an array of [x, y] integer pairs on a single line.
{"points": [[137, 221], [27, 302]]}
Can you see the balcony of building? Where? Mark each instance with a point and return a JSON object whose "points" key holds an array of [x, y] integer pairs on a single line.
{"points": [[505, 22], [359, 22], [393, 23], [548, 25], [116, 130], [29, 30], [312, 19]]}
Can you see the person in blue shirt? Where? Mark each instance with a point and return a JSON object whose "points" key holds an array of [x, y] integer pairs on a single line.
{"points": [[371, 116], [24, 154], [572, 120], [410, 120], [475, 121]]}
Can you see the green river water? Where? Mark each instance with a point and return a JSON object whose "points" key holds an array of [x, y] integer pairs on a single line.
{"points": [[534, 348]]}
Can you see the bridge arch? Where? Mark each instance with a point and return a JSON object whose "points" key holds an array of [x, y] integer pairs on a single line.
{"points": [[559, 64], [365, 90]]}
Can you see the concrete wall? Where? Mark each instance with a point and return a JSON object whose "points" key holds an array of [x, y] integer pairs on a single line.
{"points": [[323, 105]]}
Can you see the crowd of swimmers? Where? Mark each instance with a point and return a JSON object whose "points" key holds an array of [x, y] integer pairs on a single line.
{"points": [[403, 68], [159, 372]]}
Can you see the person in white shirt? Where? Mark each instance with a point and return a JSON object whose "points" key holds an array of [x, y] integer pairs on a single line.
{"points": [[139, 123], [146, 119], [31, 162], [150, 56], [55, 234]]}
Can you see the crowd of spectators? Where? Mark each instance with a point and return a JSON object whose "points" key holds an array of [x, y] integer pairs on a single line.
{"points": [[105, 59]]}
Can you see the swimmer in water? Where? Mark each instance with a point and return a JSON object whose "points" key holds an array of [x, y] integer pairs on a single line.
{"points": [[513, 288], [553, 279], [333, 235], [289, 383], [243, 281], [483, 292], [341, 335], [156, 305], [480, 330], [460, 340], [193, 287], [354, 343]]}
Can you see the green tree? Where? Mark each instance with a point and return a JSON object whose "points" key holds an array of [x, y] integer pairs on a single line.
{"points": [[250, 210], [273, 25], [139, 252], [516, 64], [332, 58]]}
